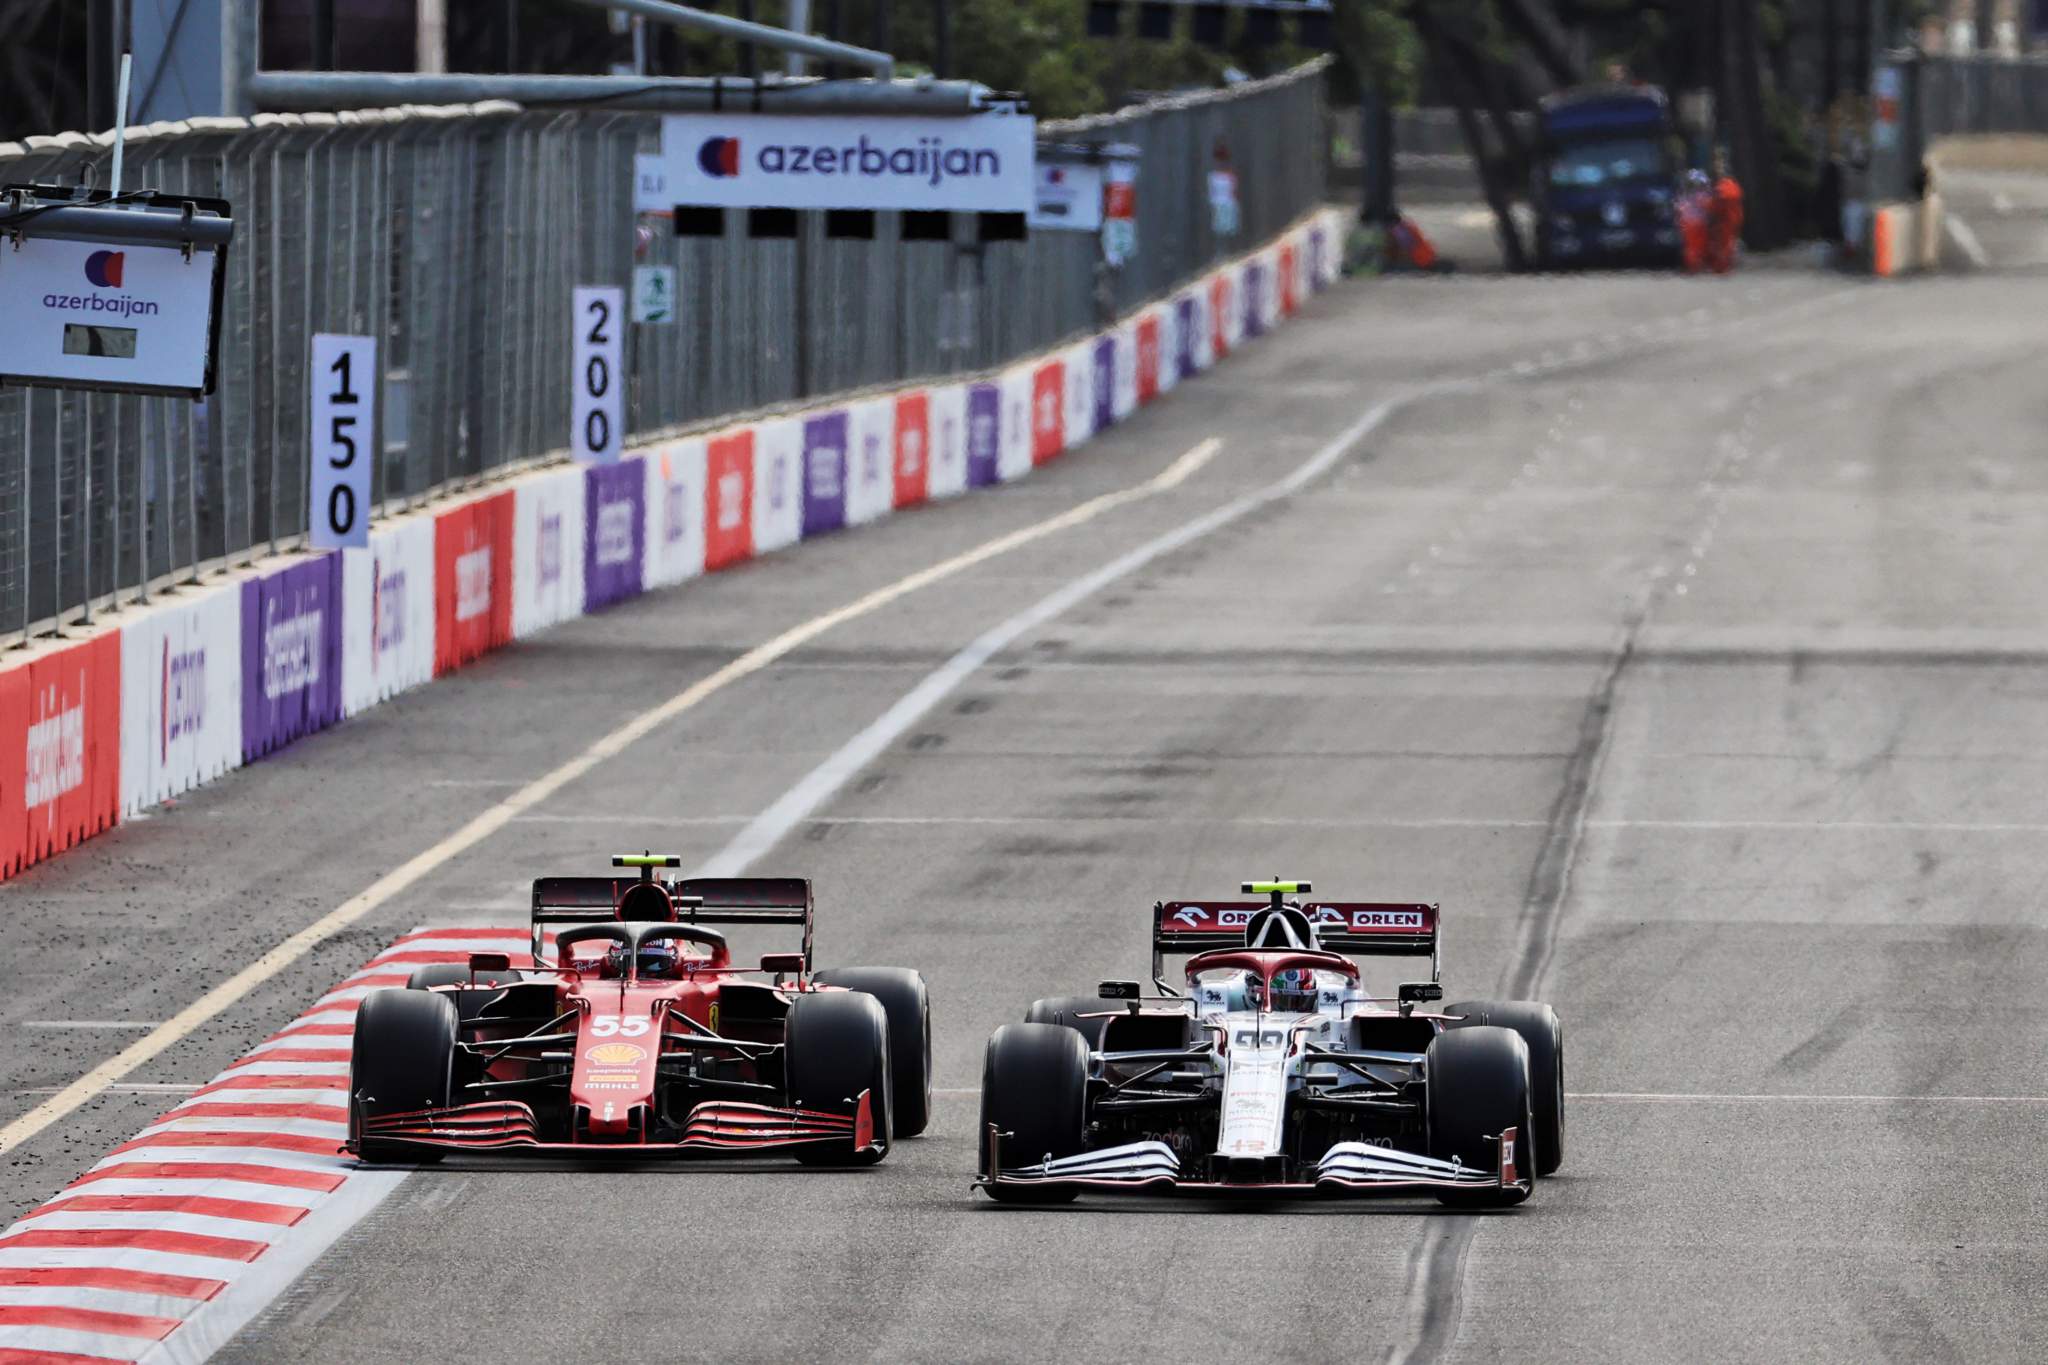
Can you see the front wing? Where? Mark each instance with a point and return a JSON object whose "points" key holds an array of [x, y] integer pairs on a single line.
{"points": [[714, 1128], [1347, 1169]]}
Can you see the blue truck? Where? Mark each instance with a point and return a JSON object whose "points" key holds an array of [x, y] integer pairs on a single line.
{"points": [[1605, 179]]}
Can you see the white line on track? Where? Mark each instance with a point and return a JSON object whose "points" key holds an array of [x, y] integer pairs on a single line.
{"points": [[498, 816], [818, 786], [1646, 1097], [94, 1023], [1966, 239]]}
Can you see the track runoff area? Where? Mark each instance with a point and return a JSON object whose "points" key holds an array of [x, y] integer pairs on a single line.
{"points": [[1622, 616]]}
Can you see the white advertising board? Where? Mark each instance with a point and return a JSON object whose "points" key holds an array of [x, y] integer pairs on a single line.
{"points": [[870, 460], [675, 512], [387, 613], [547, 550], [1078, 381], [978, 163], [948, 417], [1013, 444], [778, 492], [1067, 195], [1124, 399], [181, 695], [139, 317]]}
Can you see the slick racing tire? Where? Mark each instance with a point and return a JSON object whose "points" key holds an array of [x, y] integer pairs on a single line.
{"points": [[1034, 1089], [403, 1059], [1543, 1031], [837, 1046], [909, 1008], [1065, 1010], [1478, 1086]]}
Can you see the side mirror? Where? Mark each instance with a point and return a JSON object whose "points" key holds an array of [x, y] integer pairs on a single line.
{"points": [[1415, 991], [1117, 990], [489, 962], [783, 964]]}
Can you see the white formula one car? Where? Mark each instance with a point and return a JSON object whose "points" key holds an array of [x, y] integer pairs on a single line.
{"points": [[1273, 1072]]}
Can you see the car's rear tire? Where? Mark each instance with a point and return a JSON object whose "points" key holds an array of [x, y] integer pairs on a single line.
{"points": [[837, 1046], [1477, 1088], [402, 1060], [908, 1005], [1065, 1011], [1543, 1031], [1034, 1087]]}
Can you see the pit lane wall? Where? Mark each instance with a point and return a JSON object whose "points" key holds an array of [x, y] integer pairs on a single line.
{"points": [[158, 699]]}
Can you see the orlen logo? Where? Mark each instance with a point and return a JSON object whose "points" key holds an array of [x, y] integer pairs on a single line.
{"points": [[730, 488], [720, 157], [103, 269], [55, 757], [472, 583], [184, 696]]}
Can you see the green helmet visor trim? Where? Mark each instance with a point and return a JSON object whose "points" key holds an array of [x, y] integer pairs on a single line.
{"points": [[1274, 888], [647, 860]]}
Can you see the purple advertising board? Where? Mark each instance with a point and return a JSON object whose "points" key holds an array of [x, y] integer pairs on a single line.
{"points": [[984, 433], [824, 474], [291, 655], [1255, 299], [1315, 257], [1184, 331], [614, 532], [1105, 383]]}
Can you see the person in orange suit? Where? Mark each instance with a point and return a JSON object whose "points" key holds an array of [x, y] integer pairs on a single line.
{"points": [[1695, 203], [1724, 218]]}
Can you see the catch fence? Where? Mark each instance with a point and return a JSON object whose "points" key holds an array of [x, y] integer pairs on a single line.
{"points": [[456, 235]]}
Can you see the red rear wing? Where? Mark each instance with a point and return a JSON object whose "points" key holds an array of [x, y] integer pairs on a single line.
{"points": [[1355, 928], [698, 900]]}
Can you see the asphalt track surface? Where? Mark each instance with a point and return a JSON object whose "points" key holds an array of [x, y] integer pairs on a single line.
{"points": [[1689, 650]]}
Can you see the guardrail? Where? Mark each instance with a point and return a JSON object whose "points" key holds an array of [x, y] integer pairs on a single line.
{"points": [[456, 235]]}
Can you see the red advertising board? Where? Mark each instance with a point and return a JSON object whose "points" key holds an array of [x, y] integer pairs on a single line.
{"points": [[1290, 299], [729, 499], [1148, 357], [60, 725], [1219, 312], [472, 580], [1048, 411], [913, 448]]}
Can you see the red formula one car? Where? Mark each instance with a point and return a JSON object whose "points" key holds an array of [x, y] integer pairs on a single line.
{"points": [[635, 1034]]}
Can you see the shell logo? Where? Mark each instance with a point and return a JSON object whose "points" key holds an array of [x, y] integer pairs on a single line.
{"points": [[616, 1054]]}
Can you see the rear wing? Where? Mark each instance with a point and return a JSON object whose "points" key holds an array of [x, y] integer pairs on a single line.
{"points": [[697, 900], [1354, 928]]}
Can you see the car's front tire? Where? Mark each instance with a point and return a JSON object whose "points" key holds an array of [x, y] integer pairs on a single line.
{"points": [[402, 1060], [835, 1047], [1543, 1031], [1477, 1088], [1034, 1091]]}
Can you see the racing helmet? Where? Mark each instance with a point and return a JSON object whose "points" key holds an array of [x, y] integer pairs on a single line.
{"points": [[660, 960], [1294, 991]]}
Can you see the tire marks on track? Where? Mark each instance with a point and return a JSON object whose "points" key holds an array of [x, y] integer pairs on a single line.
{"points": [[1432, 1299]]}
